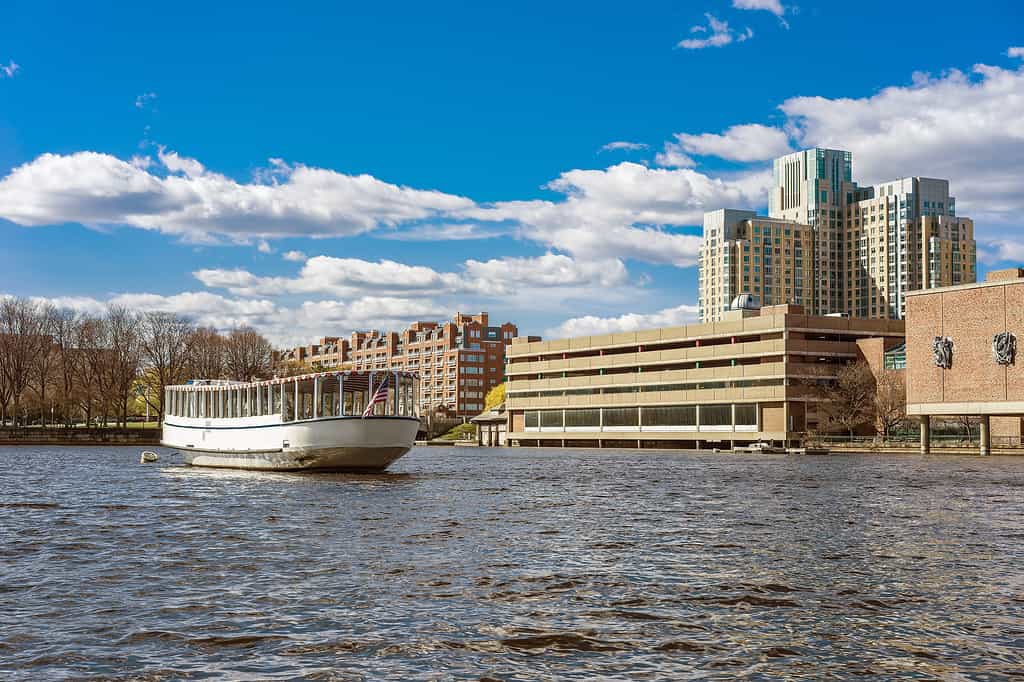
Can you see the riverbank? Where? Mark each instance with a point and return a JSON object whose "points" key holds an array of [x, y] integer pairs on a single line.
{"points": [[78, 436]]}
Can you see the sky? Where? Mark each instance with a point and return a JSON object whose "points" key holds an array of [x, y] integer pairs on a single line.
{"points": [[310, 169]]}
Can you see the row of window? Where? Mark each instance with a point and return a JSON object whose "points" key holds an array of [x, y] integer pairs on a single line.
{"points": [[647, 388], [676, 415], [310, 399]]}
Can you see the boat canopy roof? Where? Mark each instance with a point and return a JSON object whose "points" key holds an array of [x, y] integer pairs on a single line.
{"points": [[359, 380]]}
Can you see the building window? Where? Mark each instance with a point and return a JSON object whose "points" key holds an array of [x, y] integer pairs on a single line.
{"points": [[716, 415], [685, 415], [583, 418], [622, 416]]}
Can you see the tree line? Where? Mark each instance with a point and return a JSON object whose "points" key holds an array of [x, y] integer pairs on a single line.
{"points": [[59, 366]]}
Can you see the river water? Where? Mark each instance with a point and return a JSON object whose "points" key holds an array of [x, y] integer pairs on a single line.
{"points": [[525, 564]]}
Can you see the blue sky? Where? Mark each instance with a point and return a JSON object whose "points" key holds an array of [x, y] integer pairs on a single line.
{"points": [[313, 169]]}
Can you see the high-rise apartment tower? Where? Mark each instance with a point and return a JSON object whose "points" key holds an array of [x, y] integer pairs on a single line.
{"points": [[833, 246]]}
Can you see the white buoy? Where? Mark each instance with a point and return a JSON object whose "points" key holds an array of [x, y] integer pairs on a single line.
{"points": [[148, 456]]}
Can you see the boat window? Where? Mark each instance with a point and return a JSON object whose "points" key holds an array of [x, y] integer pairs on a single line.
{"points": [[288, 402], [273, 399], [328, 397], [306, 399]]}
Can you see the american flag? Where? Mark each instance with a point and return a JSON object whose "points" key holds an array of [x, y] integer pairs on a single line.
{"points": [[380, 396]]}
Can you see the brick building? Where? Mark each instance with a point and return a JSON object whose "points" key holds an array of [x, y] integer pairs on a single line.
{"points": [[329, 352], [962, 356], [458, 361]]}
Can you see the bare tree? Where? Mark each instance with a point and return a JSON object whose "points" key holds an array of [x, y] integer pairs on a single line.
{"points": [[206, 354], [66, 331], [91, 369], [890, 401], [849, 402], [165, 341], [122, 335], [44, 364], [248, 355], [22, 339]]}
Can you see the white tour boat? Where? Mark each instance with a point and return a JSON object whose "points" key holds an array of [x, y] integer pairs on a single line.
{"points": [[340, 421]]}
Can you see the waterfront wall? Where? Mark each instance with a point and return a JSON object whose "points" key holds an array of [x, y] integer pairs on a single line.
{"points": [[63, 436]]}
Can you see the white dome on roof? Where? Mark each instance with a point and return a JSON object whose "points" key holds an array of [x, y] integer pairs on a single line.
{"points": [[745, 301]]}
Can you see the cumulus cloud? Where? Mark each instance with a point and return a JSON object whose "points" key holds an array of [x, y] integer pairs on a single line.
{"points": [[627, 146], [626, 211], [263, 246], [590, 325], [9, 70], [101, 190], [623, 211], [673, 156], [1015, 52], [749, 142], [294, 256], [718, 35], [553, 276]]}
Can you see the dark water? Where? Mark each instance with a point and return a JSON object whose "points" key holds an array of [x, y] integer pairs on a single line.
{"points": [[514, 565]]}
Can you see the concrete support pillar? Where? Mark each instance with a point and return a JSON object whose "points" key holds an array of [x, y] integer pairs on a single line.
{"points": [[926, 435], [985, 436]]}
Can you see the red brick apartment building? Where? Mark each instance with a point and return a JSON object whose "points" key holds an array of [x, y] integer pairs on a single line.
{"points": [[329, 352], [458, 361]]}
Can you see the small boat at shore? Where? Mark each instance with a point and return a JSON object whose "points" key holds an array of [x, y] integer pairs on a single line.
{"points": [[328, 421]]}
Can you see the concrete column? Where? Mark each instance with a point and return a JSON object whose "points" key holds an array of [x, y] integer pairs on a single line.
{"points": [[926, 435], [985, 436]]}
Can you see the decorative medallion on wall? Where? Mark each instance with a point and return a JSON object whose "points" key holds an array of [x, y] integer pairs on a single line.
{"points": [[942, 349], [1004, 348]]}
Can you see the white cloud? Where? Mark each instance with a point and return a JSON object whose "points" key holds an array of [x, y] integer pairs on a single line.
{"points": [[673, 156], [620, 145], [550, 272], [294, 256], [552, 277], [773, 6], [174, 163], [101, 190], [9, 70], [442, 233], [750, 142], [263, 247], [624, 212], [590, 325], [718, 35], [966, 128], [145, 100], [1000, 249], [1015, 52]]}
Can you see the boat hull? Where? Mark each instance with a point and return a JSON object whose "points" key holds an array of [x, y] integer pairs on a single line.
{"points": [[332, 444]]}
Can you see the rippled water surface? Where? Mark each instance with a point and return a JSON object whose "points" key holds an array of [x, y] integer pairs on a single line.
{"points": [[514, 565]]}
